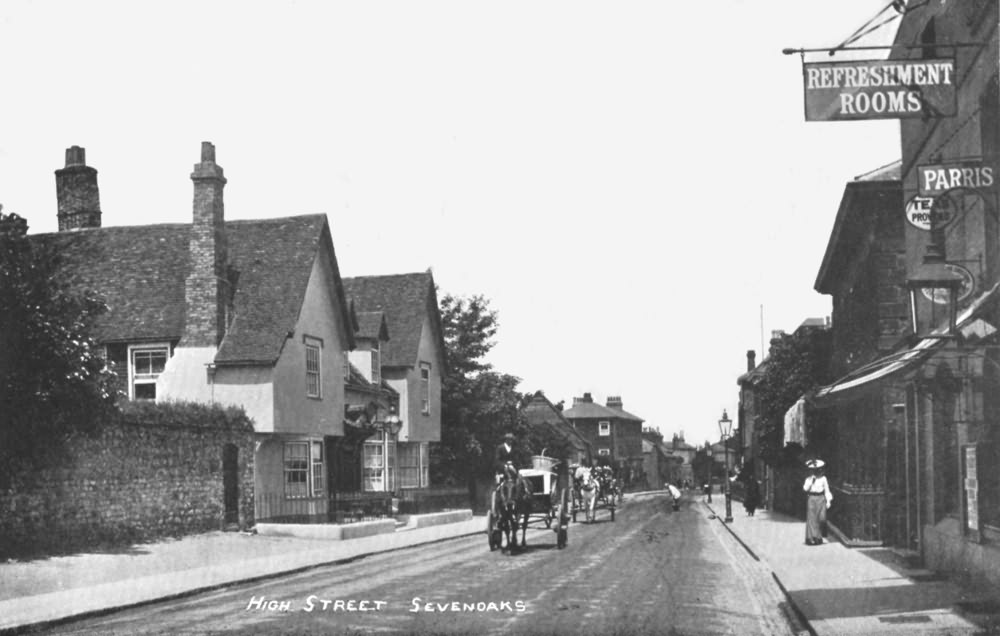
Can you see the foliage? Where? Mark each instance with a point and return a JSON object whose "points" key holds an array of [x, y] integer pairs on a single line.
{"points": [[184, 415], [53, 380], [478, 404], [797, 364]]}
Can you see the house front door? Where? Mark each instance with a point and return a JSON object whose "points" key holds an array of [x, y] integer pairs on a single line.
{"points": [[230, 483]]}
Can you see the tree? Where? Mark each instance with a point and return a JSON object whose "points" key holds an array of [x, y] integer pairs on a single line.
{"points": [[53, 382], [478, 404], [798, 363]]}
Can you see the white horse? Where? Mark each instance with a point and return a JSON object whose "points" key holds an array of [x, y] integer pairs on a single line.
{"points": [[588, 488]]}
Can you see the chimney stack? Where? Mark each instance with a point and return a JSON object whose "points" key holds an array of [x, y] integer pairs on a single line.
{"points": [[206, 289], [77, 196], [587, 398], [615, 402], [751, 360]]}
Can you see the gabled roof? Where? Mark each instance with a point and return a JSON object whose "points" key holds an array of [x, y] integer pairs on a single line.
{"points": [[879, 189], [371, 324], [591, 410], [405, 299], [139, 272], [541, 412]]}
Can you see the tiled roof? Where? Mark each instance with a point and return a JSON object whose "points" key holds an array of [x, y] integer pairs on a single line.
{"points": [[540, 412], [139, 271], [405, 299], [371, 324], [591, 410]]}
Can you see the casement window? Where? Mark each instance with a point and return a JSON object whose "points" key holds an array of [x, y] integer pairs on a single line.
{"points": [[146, 363], [604, 428], [376, 363], [425, 388], [314, 367], [303, 464], [413, 465]]}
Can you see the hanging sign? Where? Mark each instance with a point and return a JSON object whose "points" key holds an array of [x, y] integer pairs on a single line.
{"points": [[920, 210], [879, 89], [936, 179]]}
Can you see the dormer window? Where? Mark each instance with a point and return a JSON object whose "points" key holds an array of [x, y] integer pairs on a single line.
{"points": [[604, 428], [145, 364]]}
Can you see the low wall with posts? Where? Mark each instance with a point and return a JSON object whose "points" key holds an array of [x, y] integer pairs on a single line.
{"points": [[150, 473]]}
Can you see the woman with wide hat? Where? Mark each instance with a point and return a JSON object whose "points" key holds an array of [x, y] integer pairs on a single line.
{"points": [[819, 499]]}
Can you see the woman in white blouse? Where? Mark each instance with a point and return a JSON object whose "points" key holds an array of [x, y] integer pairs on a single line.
{"points": [[818, 501]]}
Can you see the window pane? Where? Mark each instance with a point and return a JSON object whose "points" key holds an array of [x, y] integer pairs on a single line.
{"points": [[145, 391]]}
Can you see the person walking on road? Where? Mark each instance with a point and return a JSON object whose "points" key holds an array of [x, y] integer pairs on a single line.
{"points": [[819, 499], [751, 496]]}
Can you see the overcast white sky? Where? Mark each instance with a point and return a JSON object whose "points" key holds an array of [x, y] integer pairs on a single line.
{"points": [[627, 182]]}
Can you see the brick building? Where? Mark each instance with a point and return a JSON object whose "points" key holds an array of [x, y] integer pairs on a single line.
{"points": [[615, 435]]}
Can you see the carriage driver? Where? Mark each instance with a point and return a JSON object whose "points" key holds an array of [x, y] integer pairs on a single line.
{"points": [[503, 458]]}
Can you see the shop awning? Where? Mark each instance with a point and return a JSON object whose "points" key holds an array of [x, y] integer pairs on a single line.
{"points": [[869, 375]]}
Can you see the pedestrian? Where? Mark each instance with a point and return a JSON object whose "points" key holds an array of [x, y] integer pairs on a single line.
{"points": [[818, 501], [751, 496], [675, 494], [707, 489]]}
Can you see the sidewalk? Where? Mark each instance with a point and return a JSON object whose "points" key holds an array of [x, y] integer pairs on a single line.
{"points": [[840, 590], [58, 588]]}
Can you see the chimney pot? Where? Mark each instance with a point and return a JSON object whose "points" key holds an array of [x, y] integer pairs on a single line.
{"points": [[207, 152], [76, 156], [751, 360]]}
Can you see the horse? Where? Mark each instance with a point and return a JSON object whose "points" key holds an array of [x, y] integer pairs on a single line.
{"points": [[514, 506], [587, 488]]}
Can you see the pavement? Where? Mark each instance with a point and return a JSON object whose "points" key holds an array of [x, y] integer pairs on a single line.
{"points": [[55, 589], [832, 589], [838, 590]]}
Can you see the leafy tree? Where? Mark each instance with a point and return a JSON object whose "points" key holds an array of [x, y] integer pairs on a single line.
{"points": [[53, 382], [798, 363], [478, 404]]}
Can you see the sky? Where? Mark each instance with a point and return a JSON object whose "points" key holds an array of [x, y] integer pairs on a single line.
{"points": [[631, 184]]}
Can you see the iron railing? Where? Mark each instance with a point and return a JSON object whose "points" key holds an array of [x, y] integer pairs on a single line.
{"points": [[280, 508], [858, 512], [434, 499], [337, 507], [352, 507]]}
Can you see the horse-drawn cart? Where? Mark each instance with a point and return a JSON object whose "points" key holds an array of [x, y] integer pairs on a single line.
{"points": [[545, 502], [594, 489]]}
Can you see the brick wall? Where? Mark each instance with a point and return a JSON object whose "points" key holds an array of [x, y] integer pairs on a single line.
{"points": [[129, 482]]}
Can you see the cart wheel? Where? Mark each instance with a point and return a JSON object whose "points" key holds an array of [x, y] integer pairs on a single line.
{"points": [[561, 538]]}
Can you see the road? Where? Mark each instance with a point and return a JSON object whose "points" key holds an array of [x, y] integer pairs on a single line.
{"points": [[650, 571]]}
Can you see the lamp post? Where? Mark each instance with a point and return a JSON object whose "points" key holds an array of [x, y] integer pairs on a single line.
{"points": [[726, 429], [390, 428]]}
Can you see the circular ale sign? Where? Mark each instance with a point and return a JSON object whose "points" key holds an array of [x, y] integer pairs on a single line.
{"points": [[968, 284], [919, 210]]}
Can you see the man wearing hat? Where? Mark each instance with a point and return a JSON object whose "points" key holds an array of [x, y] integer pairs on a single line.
{"points": [[503, 456], [819, 499]]}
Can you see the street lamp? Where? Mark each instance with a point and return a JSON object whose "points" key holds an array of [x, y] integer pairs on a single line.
{"points": [[726, 430], [390, 428], [934, 284]]}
